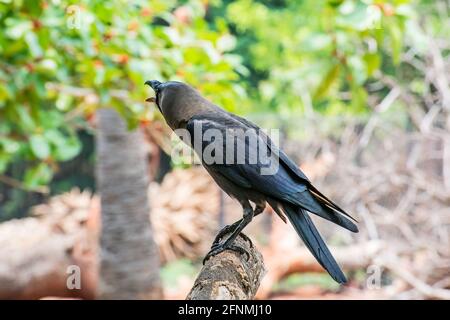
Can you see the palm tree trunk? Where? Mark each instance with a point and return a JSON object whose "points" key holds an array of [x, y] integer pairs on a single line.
{"points": [[128, 257]]}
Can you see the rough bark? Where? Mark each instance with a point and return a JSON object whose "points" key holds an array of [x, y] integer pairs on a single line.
{"points": [[129, 261], [230, 275]]}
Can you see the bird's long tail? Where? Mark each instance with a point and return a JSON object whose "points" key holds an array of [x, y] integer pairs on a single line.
{"points": [[315, 202], [311, 237]]}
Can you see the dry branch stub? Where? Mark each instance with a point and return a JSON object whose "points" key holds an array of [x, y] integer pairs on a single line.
{"points": [[230, 275]]}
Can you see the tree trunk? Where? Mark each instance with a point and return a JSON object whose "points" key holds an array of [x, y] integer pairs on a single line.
{"points": [[129, 261], [230, 275]]}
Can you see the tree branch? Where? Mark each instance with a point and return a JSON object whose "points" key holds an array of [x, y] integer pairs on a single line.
{"points": [[230, 275], [19, 185]]}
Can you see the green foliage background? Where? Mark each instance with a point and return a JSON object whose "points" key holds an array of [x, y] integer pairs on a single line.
{"points": [[60, 60]]}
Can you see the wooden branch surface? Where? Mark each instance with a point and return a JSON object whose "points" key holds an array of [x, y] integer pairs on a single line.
{"points": [[230, 275]]}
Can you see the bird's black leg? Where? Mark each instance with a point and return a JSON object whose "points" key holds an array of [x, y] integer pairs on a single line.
{"points": [[258, 209], [224, 231], [242, 223], [237, 227]]}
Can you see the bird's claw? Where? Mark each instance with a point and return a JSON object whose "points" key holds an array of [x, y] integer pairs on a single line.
{"points": [[218, 248], [220, 235], [247, 239], [224, 231]]}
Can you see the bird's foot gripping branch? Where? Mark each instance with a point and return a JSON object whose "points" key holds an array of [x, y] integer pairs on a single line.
{"points": [[230, 274]]}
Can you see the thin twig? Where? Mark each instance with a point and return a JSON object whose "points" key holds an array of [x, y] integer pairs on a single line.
{"points": [[19, 185]]}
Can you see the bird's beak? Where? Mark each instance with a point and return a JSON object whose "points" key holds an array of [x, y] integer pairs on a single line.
{"points": [[153, 83]]}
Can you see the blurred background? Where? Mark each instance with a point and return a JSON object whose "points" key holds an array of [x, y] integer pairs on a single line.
{"points": [[359, 90]]}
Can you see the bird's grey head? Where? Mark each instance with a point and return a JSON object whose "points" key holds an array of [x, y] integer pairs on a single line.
{"points": [[155, 84], [165, 92], [176, 100]]}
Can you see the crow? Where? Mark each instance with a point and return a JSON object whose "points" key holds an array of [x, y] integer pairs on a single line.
{"points": [[250, 168]]}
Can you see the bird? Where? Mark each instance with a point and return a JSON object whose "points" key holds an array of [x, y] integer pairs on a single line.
{"points": [[287, 190]]}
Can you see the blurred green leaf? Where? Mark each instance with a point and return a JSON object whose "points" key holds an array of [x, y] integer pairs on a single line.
{"points": [[329, 79], [373, 62], [358, 69], [396, 42], [69, 149], [359, 98], [37, 176], [39, 146]]}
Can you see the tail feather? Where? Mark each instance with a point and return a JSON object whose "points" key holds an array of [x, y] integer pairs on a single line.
{"points": [[309, 234], [277, 208], [309, 202], [321, 197]]}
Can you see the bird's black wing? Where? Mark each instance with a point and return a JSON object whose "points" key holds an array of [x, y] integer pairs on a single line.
{"points": [[295, 170], [247, 163], [277, 183], [284, 159]]}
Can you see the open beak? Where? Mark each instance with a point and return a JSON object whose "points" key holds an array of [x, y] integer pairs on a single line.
{"points": [[155, 85]]}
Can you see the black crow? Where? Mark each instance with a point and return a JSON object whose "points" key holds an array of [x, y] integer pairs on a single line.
{"points": [[249, 167]]}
